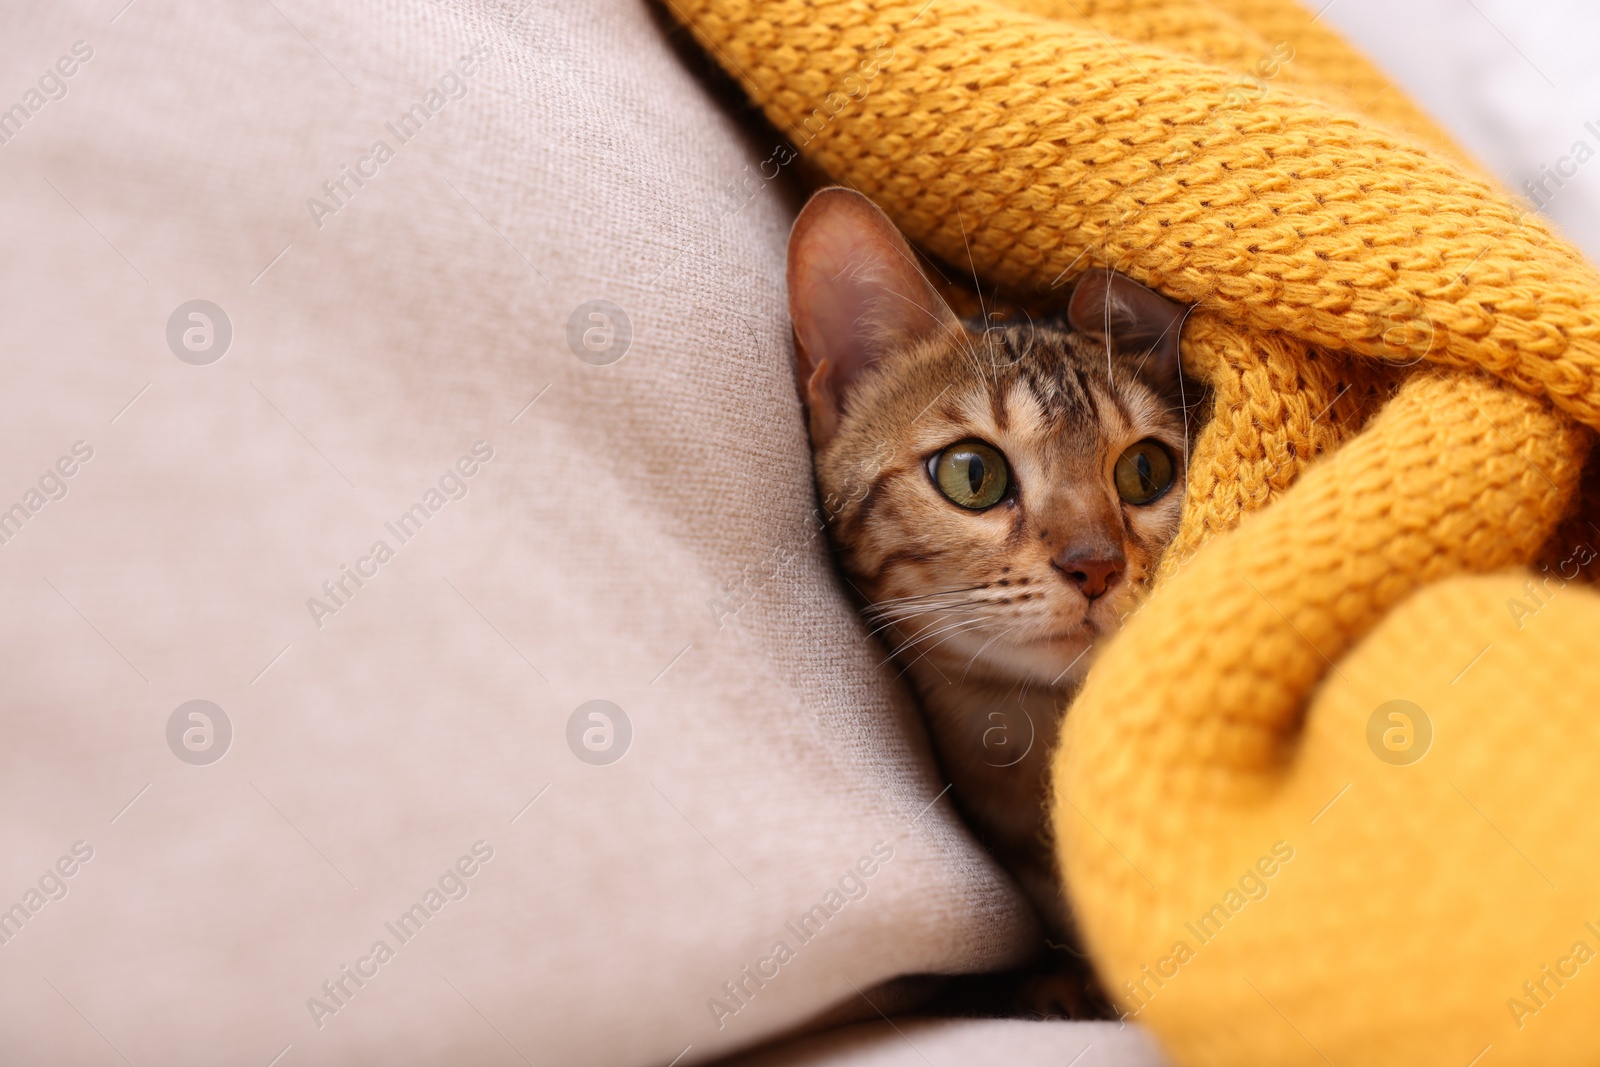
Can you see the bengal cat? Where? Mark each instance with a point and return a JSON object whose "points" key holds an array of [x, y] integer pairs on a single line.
{"points": [[1001, 495]]}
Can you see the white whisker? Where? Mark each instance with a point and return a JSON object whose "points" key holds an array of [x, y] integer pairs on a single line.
{"points": [[909, 617], [934, 619], [973, 625], [932, 629], [925, 596], [968, 669], [928, 632]]}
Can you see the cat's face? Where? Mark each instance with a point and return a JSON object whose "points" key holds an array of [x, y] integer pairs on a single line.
{"points": [[998, 499], [1004, 512]]}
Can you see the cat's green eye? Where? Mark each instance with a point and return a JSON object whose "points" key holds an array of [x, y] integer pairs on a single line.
{"points": [[971, 474], [1144, 472]]}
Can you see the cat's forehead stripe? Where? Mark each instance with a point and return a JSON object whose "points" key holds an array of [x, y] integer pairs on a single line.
{"points": [[998, 409], [1111, 408]]}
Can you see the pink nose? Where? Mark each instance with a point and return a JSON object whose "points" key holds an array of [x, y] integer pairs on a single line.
{"points": [[1092, 576]]}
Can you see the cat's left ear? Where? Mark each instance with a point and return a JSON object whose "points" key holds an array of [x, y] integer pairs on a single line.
{"points": [[1107, 305], [856, 296]]}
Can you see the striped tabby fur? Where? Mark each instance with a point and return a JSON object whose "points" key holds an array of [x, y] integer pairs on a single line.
{"points": [[977, 607]]}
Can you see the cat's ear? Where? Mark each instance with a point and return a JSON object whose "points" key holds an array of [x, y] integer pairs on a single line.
{"points": [[1106, 304], [856, 293]]}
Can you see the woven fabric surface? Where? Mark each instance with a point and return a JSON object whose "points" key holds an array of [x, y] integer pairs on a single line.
{"points": [[1404, 365]]}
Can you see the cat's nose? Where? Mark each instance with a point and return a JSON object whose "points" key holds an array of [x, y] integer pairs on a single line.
{"points": [[1093, 573]]}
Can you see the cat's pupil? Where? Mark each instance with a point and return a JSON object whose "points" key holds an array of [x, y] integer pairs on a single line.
{"points": [[975, 473], [1146, 479]]}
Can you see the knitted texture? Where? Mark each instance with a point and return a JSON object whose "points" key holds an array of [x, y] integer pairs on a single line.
{"points": [[1405, 921], [1404, 365]]}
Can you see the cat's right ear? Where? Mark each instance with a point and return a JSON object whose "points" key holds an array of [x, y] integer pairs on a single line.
{"points": [[855, 294]]}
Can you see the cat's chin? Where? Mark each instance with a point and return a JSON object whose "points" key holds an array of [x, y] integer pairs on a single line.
{"points": [[1060, 658], [1079, 634]]}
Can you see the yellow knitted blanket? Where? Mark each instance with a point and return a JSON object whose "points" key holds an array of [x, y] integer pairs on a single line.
{"points": [[1329, 797]]}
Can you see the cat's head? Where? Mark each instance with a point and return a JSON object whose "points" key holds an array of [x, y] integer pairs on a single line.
{"points": [[999, 496]]}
